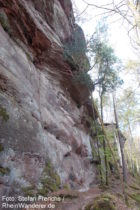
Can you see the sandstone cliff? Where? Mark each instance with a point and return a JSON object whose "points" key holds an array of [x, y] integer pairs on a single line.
{"points": [[43, 126]]}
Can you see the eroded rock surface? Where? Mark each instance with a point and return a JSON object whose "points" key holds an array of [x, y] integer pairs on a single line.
{"points": [[44, 121]]}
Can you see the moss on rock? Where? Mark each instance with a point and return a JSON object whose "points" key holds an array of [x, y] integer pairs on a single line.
{"points": [[50, 180], [1, 148], [5, 23], [66, 187], [68, 196], [3, 114], [4, 171], [28, 191], [135, 197], [103, 202], [134, 187]]}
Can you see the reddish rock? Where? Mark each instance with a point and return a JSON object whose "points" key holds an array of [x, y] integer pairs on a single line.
{"points": [[44, 106]]}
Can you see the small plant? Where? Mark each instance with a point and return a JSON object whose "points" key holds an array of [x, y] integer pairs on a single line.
{"points": [[66, 186], [83, 78], [75, 51], [3, 114], [1, 148], [4, 22], [28, 191], [103, 202], [4, 171], [135, 197]]}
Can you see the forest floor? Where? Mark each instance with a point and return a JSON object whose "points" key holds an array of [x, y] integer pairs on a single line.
{"points": [[75, 200], [85, 199]]}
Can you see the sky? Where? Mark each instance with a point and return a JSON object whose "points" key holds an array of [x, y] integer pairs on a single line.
{"points": [[118, 38]]}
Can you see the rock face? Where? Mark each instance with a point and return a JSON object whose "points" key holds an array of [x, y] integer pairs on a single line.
{"points": [[40, 120]]}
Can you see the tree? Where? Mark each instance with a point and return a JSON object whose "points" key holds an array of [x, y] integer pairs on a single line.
{"points": [[106, 64], [133, 68], [129, 13], [120, 140], [128, 111], [107, 67]]}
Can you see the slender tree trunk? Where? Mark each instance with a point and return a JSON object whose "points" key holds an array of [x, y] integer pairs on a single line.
{"points": [[100, 170], [130, 140], [101, 105], [130, 131], [104, 142], [97, 136], [107, 140], [120, 141], [112, 153], [106, 163]]}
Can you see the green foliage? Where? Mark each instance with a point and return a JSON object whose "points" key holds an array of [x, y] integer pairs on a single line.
{"points": [[133, 158], [111, 136], [128, 112], [97, 127], [66, 186], [28, 191], [107, 67], [107, 152], [101, 169], [75, 51], [106, 64], [98, 153], [135, 197], [94, 154], [77, 45], [3, 114], [68, 195], [83, 78], [128, 109], [74, 48], [103, 202], [69, 58], [76, 59], [132, 68], [134, 187]]}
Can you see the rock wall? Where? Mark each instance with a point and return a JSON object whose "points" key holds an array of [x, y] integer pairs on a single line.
{"points": [[40, 120]]}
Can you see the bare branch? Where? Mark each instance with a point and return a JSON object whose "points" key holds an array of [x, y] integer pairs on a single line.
{"points": [[115, 9], [99, 7], [82, 11]]}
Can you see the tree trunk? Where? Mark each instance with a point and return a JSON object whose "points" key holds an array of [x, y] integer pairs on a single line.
{"points": [[106, 163], [101, 106], [130, 131], [120, 142], [106, 138], [104, 142], [97, 136]]}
